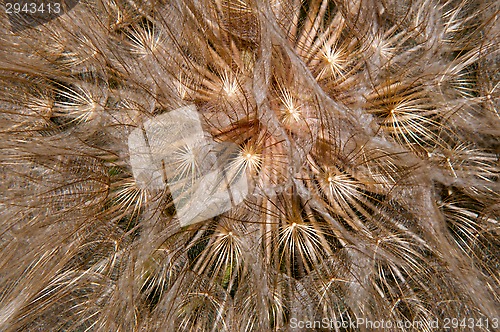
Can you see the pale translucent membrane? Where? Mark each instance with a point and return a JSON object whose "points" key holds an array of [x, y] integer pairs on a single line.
{"points": [[173, 150]]}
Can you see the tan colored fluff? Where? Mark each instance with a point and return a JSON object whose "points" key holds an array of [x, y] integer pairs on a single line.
{"points": [[370, 130]]}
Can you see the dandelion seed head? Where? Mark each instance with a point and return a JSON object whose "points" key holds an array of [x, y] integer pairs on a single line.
{"points": [[367, 133]]}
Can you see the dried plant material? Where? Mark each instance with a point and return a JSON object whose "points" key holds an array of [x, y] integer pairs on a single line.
{"points": [[251, 165]]}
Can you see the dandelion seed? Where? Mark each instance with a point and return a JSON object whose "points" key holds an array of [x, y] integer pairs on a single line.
{"points": [[144, 40], [291, 111], [78, 103], [129, 197], [247, 159], [186, 162], [383, 47], [229, 84], [334, 60], [341, 187]]}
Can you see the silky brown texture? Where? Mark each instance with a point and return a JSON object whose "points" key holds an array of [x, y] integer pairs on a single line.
{"points": [[369, 130]]}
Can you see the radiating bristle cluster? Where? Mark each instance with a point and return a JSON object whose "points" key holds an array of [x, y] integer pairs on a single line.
{"points": [[368, 132]]}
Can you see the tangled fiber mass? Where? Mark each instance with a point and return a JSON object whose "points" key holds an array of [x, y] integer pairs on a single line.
{"points": [[369, 132]]}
